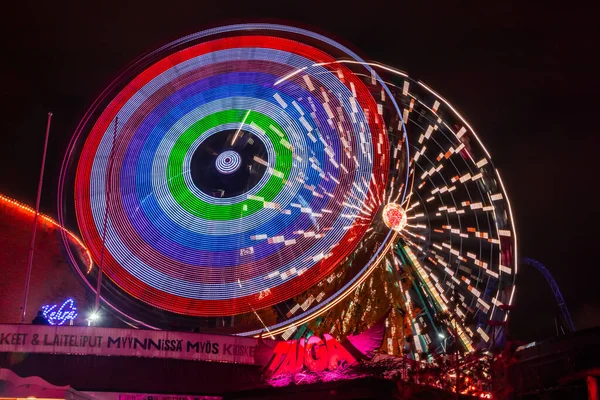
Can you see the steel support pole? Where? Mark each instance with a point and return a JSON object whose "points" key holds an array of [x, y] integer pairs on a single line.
{"points": [[35, 219]]}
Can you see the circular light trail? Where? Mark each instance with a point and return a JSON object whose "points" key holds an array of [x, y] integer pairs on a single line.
{"points": [[264, 172], [217, 249], [228, 162]]}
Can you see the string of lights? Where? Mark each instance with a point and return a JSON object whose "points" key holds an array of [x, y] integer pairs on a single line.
{"points": [[8, 201]]}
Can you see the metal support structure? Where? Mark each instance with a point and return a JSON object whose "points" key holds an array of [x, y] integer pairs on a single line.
{"points": [[554, 286], [35, 219]]}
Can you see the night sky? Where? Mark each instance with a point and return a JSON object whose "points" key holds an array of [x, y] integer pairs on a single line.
{"points": [[524, 77]]}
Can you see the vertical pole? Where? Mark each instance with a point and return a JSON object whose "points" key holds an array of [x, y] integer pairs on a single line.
{"points": [[35, 218], [107, 190]]}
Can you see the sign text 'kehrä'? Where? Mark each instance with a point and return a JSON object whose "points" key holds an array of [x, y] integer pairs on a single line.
{"points": [[126, 342]]}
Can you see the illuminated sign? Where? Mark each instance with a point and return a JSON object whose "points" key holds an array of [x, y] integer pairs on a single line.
{"points": [[56, 315], [317, 354], [314, 354], [93, 340]]}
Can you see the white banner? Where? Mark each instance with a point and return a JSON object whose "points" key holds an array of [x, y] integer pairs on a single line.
{"points": [[126, 342]]}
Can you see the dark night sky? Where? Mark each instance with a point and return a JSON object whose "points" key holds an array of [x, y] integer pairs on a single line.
{"points": [[522, 74]]}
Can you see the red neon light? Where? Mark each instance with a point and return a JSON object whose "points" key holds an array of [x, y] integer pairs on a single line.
{"points": [[314, 354]]}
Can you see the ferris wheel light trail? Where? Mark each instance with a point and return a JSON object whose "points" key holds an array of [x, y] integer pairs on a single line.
{"points": [[281, 169], [264, 172]]}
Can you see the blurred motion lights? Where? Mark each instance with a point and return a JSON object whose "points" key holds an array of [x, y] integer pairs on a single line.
{"points": [[249, 171], [394, 216]]}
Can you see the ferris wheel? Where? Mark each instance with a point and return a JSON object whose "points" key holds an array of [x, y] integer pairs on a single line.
{"points": [[252, 177], [458, 238]]}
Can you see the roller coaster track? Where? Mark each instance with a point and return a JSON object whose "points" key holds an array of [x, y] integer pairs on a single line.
{"points": [[554, 286]]}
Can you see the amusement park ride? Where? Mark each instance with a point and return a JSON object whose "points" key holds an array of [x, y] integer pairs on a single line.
{"points": [[261, 180]]}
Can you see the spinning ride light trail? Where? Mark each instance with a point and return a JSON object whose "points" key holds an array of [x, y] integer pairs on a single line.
{"points": [[211, 247], [266, 170]]}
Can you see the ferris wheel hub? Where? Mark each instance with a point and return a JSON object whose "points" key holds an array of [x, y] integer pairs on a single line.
{"points": [[394, 217], [228, 162]]}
